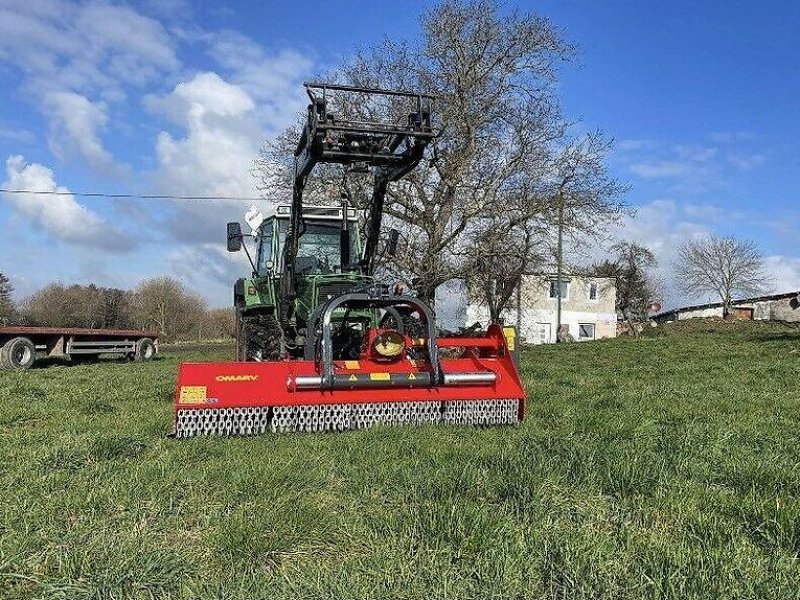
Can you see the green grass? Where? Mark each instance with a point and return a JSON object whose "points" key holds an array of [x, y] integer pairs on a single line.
{"points": [[664, 468]]}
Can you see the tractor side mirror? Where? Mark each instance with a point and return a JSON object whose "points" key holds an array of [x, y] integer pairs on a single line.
{"points": [[234, 237], [391, 247]]}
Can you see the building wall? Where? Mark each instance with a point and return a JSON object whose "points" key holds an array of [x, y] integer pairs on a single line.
{"points": [[785, 309], [538, 316], [700, 313], [779, 309]]}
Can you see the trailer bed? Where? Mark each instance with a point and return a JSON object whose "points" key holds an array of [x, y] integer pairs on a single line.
{"points": [[20, 347]]}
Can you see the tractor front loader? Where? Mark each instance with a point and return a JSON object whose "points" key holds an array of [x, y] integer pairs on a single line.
{"points": [[321, 345]]}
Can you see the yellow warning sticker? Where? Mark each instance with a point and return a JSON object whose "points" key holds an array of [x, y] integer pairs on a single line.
{"points": [[511, 337], [353, 378], [192, 394], [412, 377], [380, 376], [352, 364]]}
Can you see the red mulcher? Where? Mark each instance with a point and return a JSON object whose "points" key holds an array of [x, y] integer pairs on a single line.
{"points": [[333, 361], [396, 380]]}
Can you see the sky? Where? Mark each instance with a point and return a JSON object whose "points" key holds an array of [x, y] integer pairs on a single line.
{"points": [[176, 97]]}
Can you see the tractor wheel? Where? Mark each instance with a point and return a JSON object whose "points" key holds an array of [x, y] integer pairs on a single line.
{"points": [[17, 353], [262, 336], [145, 350]]}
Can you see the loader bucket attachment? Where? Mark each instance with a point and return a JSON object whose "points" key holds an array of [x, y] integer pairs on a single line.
{"points": [[480, 386]]}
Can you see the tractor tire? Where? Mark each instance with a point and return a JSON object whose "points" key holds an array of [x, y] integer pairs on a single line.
{"points": [[17, 353], [262, 336], [145, 350]]}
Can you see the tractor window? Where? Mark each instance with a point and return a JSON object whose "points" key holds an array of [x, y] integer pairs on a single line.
{"points": [[319, 250], [265, 248]]}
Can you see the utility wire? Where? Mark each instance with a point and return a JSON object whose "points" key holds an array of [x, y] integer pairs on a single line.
{"points": [[132, 196]]}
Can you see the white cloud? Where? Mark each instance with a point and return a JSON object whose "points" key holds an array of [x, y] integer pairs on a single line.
{"points": [[208, 268], [77, 57], [215, 156], [222, 137], [205, 94], [784, 271], [692, 168], [688, 163], [16, 134], [630, 145], [728, 137], [747, 162], [75, 124], [271, 78], [90, 48], [661, 169], [224, 122], [662, 226], [61, 216]]}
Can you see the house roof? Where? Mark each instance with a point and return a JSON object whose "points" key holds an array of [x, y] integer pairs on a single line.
{"points": [[783, 296], [564, 275]]}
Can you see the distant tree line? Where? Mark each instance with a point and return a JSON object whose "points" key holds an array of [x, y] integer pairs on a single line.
{"points": [[161, 304]]}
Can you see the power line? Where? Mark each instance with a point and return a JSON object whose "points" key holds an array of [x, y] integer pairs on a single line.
{"points": [[128, 196]]}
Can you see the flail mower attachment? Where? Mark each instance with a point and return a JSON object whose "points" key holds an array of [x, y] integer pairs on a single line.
{"points": [[397, 379]]}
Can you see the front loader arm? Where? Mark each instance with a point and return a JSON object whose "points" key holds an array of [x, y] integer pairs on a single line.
{"points": [[392, 150]]}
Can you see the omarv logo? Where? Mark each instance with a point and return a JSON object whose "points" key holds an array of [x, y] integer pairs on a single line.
{"points": [[232, 378]]}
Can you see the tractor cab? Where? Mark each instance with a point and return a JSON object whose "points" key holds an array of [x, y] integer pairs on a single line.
{"points": [[320, 244], [327, 264]]}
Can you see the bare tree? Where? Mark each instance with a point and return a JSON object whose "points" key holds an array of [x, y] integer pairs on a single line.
{"points": [[585, 197], [497, 257], [163, 303], [720, 265], [635, 286], [497, 113], [220, 324], [8, 309], [59, 305]]}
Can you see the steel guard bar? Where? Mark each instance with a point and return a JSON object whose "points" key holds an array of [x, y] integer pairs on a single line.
{"points": [[365, 300]]}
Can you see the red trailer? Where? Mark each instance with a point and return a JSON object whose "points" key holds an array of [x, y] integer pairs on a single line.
{"points": [[21, 346]]}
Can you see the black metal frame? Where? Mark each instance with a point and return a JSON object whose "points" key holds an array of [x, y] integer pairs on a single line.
{"points": [[323, 355], [326, 139]]}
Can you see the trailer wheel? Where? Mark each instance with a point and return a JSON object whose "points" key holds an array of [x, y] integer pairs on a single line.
{"points": [[17, 353], [145, 350]]}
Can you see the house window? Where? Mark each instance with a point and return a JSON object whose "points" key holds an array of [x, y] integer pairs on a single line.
{"points": [[593, 291], [585, 331], [564, 289]]}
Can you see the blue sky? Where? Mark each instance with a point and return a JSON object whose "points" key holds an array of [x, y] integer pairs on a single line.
{"points": [[176, 97]]}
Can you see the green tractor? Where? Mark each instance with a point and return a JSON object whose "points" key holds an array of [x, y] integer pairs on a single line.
{"points": [[308, 255], [320, 274]]}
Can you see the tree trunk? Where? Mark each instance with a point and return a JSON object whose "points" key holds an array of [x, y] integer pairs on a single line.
{"points": [[626, 315], [726, 308], [427, 294], [494, 313]]}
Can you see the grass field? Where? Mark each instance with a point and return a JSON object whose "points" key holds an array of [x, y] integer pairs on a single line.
{"points": [[664, 468]]}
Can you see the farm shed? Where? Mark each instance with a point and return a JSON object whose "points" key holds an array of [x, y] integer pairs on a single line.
{"points": [[777, 307]]}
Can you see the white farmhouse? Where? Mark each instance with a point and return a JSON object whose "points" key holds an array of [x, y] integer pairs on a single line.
{"points": [[587, 308]]}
